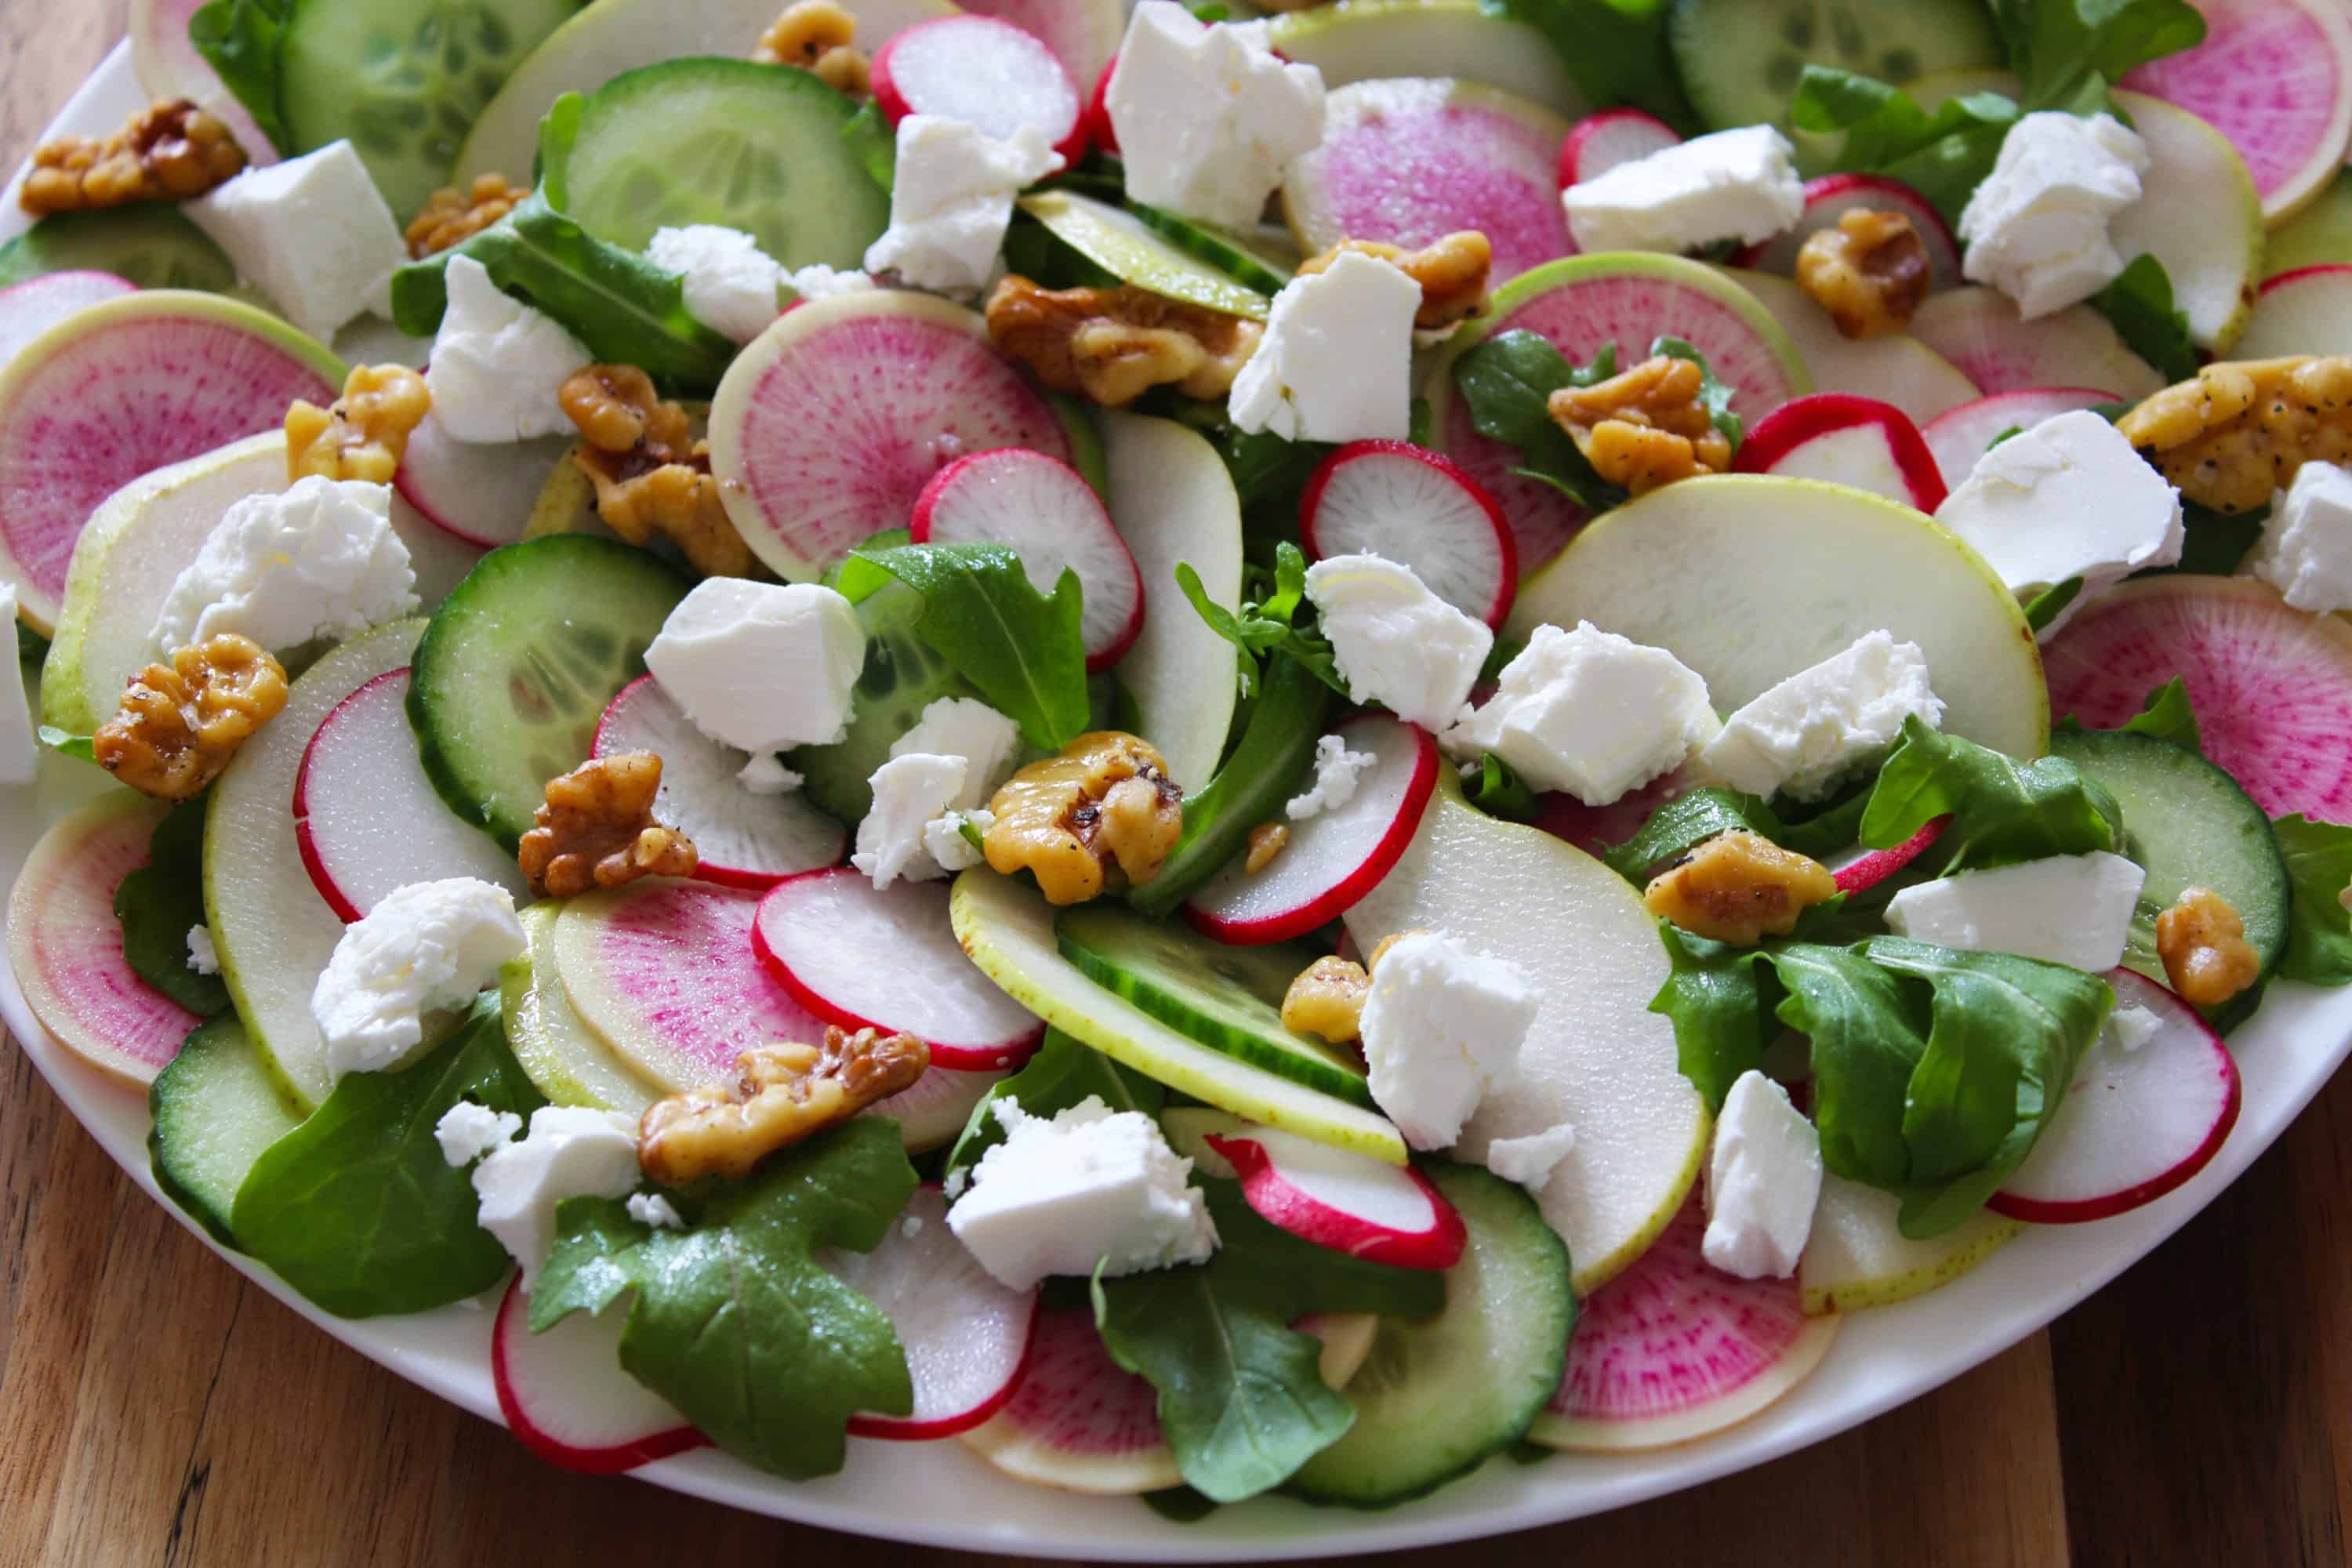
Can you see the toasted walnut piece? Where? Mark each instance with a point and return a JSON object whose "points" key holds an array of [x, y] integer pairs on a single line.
{"points": [[1738, 887], [181, 721], [1869, 272], [169, 151], [2203, 944], [1265, 842], [1645, 427], [2241, 428], [651, 476], [815, 35], [1327, 999], [596, 829], [779, 1096], [1112, 345], [365, 434], [1451, 269], [1101, 815], [451, 216]]}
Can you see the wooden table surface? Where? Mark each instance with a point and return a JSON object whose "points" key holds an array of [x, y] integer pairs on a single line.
{"points": [[154, 1408]]}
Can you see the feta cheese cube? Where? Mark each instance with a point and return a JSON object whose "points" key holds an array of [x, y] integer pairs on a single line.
{"points": [[1733, 184], [2128, 1027], [2305, 551], [909, 793], [1812, 730], [1531, 1160], [1589, 712], [818, 282], [968, 727], [498, 363], [1336, 362], [1091, 1185], [1442, 1029], [313, 233], [1763, 1180], [1334, 786], [1206, 117], [467, 1132], [318, 559], [570, 1152], [428, 946], [2074, 910], [762, 667], [953, 199], [202, 957], [2036, 228], [653, 1209], [944, 841], [732, 285], [1394, 641], [765, 773], [2067, 498], [20, 747]]}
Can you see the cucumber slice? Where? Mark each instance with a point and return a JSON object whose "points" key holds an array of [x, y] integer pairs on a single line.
{"points": [[1740, 59], [903, 676], [146, 243], [569, 1063], [517, 666], [1437, 1397], [717, 142], [1228, 998], [1135, 250], [1227, 254], [216, 1108]]}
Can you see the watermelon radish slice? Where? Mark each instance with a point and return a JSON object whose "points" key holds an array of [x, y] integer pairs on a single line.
{"points": [[567, 1400], [829, 426], [1959, 438], [1846, 440], [367, 820], [2141, 1116], [1979, 331], [1599, 142], [1083, 34], [888, 958], [1410, 505], [1348, 1201], [1047, 513], [123, 388], [1864, 870], [1077, 1419], [2275, 78], [2272, 686], [1671, 1350], [1408, 160], [1897, 368], [966, 1336], [1333, 857], [1832, 197], [35, 305], [66, 946], [168, 66], [987, 73], [482, 494], [742, 839], [2306, 311]]}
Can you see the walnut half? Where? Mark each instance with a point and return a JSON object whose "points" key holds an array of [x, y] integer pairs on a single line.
{"points": [[2203, 943], [1102, 815], [1451, 269], [451, 216], [1869, 270], [182, 720], [1738, 887], [815, 35], [780, 1095], [365, 434], [169, 151], [1645, 427], [597, 829], [1113, 345], [651, 475], [2241, 428]]}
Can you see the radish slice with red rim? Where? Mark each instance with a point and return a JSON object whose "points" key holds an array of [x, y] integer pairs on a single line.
{"points": [[1415, 507], [1348, 1202], [888, 958], [566, 1398], [1077, 1419], [1866, 868], [2306, 311], [1846, 440], [1959, 437], [482, 494], [985, 72], [1599, 142], [1098, 109], [1832, 197]]}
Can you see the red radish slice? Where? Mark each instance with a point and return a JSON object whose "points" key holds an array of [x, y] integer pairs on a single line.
{"points": [[482, 494], [1351, 1203], [2306, 311], [1395, 499], [1099, 125], [66, 946], [1981, 332], [742, 839], [985, 72], [1847, 440], [2136, 1121], [1083, 34], [35, 305], [566, 1398], [1963, 434], [1077, 1419], [1597, 829], [2272, 686], [1045, 512], [1671, 1350], [1334, 857], [1599, 142], [889, 960], [1832, 197], [1868, 868], [966, 1336], [367, 819]]}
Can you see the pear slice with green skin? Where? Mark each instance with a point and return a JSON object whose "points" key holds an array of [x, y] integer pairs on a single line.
{"points": [[2199, 214], [569, 1062], [1364, 40], [1897, 369], [1856, 1258]]}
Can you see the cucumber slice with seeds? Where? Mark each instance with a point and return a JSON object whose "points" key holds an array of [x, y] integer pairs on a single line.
{"points": [[147, 243], [1740, 60], [216, 1108], [1136, 250]]}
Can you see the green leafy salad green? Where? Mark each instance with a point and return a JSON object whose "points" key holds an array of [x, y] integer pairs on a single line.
{"points": [[159, 902]]}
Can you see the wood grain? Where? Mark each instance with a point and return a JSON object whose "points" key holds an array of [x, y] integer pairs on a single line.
{"points": [[154, 1409]]}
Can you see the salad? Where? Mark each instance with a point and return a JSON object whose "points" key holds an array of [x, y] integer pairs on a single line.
{"points": [[1229, 753]]}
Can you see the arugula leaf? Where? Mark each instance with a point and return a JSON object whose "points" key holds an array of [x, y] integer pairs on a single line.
{"points": [[2319, 930], [1262, 628], [1944, 155], [1499, 792], [1717, 997], [1616, 51], [83, 748], [2066, 52], [240, 39], [32, 648], [2218, 541], [1508, 382], [1694, 817], [2138, 303], [1062, 1073], [2002, 810], [2051, 603], [357, 1208], [2166, 715], [871, 143], [159, 902]]}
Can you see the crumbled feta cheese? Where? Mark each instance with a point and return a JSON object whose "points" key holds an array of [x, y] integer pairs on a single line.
{"points": [[1206, 117], [320, 560], [2036, 228], [1733, 184], [2067, 498], [498, 363], [732, 285], [202, 957], [2074, 910], [1589, 712], [909, 793], [1336, 769], [968, 727], [20, 747], [1762, 1181], [570, 1152], [765, 773], [313, 233], [819, 281], [1394, 641], [1442, 1029], [2129, 1028], [1335, 363], [2306, 545], [951, 199], [1820, 726], [467, 1132], [943, 839], [653, 1209], [429, 945], [1531, 1160], [1091, 1185], [762, 667]]}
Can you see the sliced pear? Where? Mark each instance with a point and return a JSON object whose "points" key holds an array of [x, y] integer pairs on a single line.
{"points": [[1749, 578], [1897, 369], [1123, 246], [569, 1062], [1359, 40], [1856, 1258], [2200, 214], [2318, 236]]}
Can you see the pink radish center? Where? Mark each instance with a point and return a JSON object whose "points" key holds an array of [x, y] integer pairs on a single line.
{"points": [[986, 73], [2267, 76], [1075, 1400], [679, 956], [1411, 510], [1415, 171], [76, 947]]}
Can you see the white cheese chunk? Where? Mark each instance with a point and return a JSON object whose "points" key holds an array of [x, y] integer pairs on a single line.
{"points": [[1733, 184], [1394, 641], [203, 957], [1336, 769], [1807, 734], [423, 948], [2074, 910], [2036, 228], [467, 1132], [320, 560], [1590, 713], [570, 1152], [1442, 1029], [313, 233], [732, 285], [1207, 116], [1336, 362], [944, 841], [765, 773], [2128, 1027], [1763, 1180], [498, 363], [20, 747], [818, 282], [909, 793], [965, 727], [653, 1209], [1531, 1160], [762, 667], [1091, 1185], [953, 199], [2305, 551]]}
